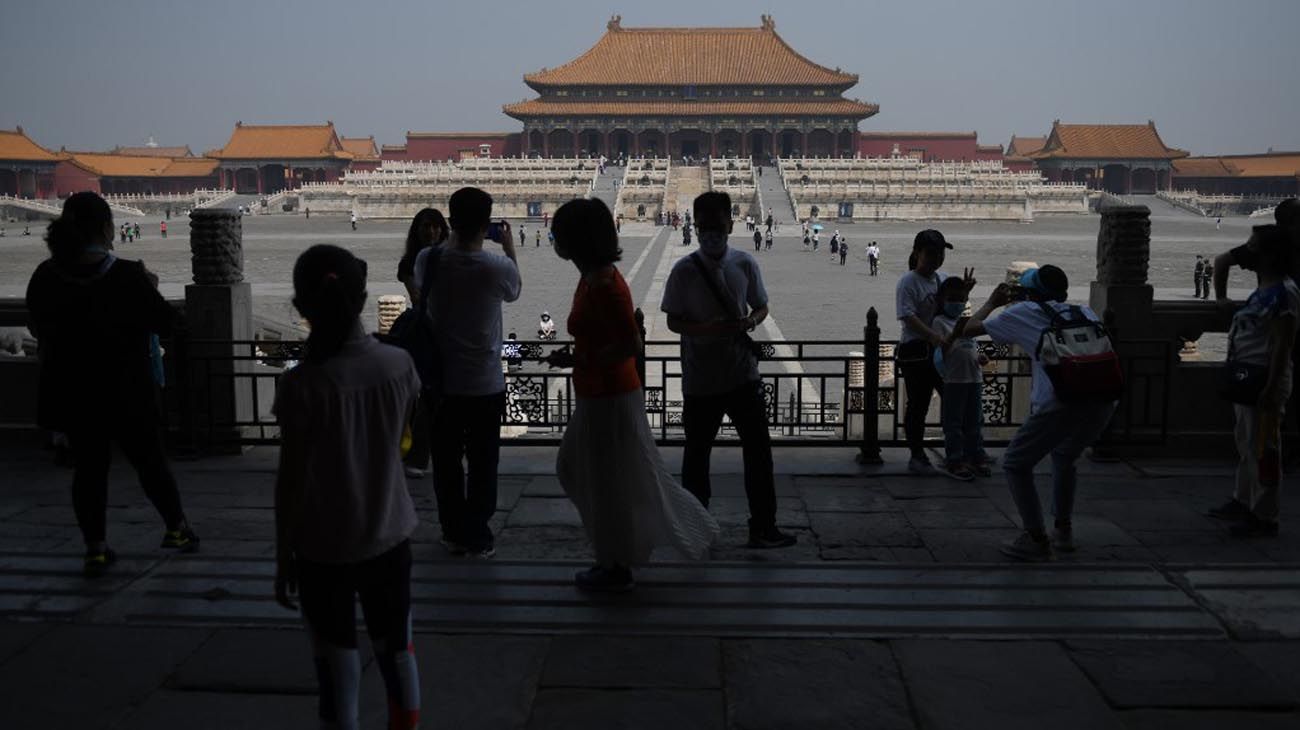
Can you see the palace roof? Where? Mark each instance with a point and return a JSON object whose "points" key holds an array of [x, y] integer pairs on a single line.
{"points": [[1271, 164], [686, 108], [1024, 146], [1105, 141], [361, 148], [147, 151], [916, 135], [686, 56], [458, 135], [283, 142], [16, 145], [113, 165]]}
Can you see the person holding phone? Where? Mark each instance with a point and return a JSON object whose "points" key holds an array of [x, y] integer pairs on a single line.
{"points": [[469, 286], [960, 364]]}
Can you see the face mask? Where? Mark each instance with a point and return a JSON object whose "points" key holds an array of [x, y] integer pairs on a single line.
{"points": [[713, 243], [953, 309]]}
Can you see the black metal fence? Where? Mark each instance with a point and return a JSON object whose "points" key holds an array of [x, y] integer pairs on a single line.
{"points": [[818, 393]]}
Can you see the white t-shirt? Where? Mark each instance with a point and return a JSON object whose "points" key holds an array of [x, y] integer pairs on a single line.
{"points": [[961, 363], [717, 364], [1248, 336], [915, 295], [873, 252], [341, 422], [465, 303], [1022, 324]]}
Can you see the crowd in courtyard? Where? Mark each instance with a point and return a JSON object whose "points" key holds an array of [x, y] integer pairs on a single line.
{"points": [[359, 413]]}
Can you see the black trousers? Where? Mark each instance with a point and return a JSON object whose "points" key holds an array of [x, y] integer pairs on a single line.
{"points": [[921, 381], [92, 454], [329, 594], [421, 435], [466, 450], [702, 417]]}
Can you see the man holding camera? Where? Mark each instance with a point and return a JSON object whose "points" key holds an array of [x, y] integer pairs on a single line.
{"points": [[713, 299], [467, 288], [1054, 427]]}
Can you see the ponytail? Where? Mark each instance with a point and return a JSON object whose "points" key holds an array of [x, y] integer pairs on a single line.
{"points": [[329, 285]]}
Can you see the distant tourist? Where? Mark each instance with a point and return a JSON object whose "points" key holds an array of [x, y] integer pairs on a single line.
{"points": [[428, 228], [713, 298], [162, 228], [835, 243], [136, 229], [767, 240], [758, 240], [816, 239], [807, 240], [1198, 276], [608, 462], [343, 515], [92, 314], [470, 285], [1065, 416], [546, 327], [960, 365], [1207, 279], [844, 252], [1218, 223], [354, 220], [1263, 334], [915, 297], [873, 258]]}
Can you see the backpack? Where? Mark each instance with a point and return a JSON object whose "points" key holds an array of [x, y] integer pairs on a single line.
{"points": [[414, 332], [1079, 359]]}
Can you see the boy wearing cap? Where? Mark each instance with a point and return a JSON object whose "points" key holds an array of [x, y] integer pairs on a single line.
{"points": [[1060, 429], [915, 297]]}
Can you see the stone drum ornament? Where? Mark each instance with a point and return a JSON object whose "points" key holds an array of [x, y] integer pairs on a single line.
{"points": [[216, 246]]}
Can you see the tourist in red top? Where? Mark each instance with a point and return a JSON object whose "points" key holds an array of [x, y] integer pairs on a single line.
{"points": [[608, 462]]}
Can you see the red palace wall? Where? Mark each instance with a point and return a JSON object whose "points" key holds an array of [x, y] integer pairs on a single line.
{"points": [[69, 179], [954, 147], [450, 148]]}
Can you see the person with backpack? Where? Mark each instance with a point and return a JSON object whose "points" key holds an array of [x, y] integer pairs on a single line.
{"points": [[1076, 382], [466, 289], [1258, 381], [343, 514], [94, 316], [1198, 277]]}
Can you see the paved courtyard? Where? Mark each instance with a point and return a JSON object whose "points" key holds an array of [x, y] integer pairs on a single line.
{"points": [[894, 611], [812, 297]]}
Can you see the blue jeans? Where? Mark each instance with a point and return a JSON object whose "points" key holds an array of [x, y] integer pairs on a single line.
{"points": [[962, 414], [1063, 431]]}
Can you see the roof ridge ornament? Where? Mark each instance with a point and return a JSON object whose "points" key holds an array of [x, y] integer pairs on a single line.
{"points": [[615, 23], [767, 22]]}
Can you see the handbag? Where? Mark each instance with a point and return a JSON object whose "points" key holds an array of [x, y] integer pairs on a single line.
{"points": [[1241, 382], [728, 305]]}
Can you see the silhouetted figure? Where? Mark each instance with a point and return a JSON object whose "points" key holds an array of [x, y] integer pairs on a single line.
{"points": [[428, 228], [93, 315]]}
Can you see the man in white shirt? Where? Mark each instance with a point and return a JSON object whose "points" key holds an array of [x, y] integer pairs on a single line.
{"points": [[1062, 430], [467, 288], [719, 369]]}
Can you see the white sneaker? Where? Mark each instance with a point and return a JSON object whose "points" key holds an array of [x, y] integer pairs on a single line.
{"points": [[413, 473], [922, 466]]}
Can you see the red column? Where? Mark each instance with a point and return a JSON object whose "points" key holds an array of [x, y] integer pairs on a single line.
{"points": [[713, 144], [259, 180], [1128, 184], [546, 145], [803, 144]]}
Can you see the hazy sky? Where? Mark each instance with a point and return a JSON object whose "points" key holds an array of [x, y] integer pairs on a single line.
{"points": [[1217, 76]]}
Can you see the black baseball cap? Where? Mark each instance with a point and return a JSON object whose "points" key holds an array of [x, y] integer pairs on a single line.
{"points": [[930, 238]]}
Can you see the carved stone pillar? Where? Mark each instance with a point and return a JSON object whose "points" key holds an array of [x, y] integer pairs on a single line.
{"points": [[219, 310], [1123, 254]]}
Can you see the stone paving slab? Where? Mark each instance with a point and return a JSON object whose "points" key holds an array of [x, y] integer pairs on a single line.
{"points": [[14, 637], [1279, 659], [655, 709], [779, 684], [1177, 674], [168, 710], [90, 677], [222, 664], [1254, 604], [478, 682], [625, 662], [883, 529], [1208, 720], [1029, 685]]}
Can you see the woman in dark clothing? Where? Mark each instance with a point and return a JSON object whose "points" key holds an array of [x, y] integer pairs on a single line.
{"points": [[428, 228], [93, 315]]}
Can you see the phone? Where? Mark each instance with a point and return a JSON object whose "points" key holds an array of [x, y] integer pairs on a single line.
{"points": [[496, 231], [1017, 293]]}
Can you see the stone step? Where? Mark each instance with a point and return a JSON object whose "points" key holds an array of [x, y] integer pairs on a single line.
{"points": [[716, 598]]}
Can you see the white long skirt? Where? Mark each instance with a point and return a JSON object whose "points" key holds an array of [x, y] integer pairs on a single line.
{"points": [[630, 504]]}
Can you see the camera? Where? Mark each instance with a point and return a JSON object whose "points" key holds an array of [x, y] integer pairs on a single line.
{"points": [[1017, 293]]}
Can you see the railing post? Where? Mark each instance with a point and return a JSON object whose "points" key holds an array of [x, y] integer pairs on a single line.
{"points": [[869, 450], [639, 316]]}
